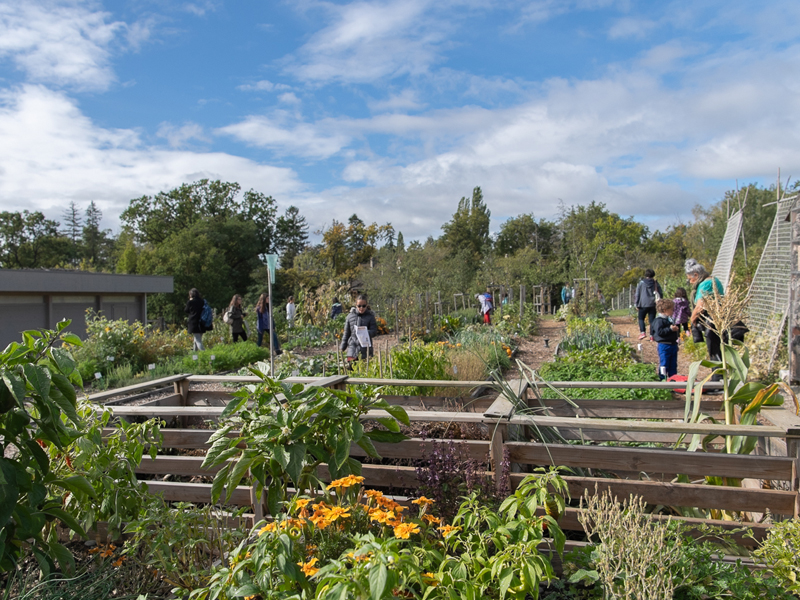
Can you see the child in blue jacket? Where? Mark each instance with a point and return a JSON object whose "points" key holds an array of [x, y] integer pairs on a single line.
{"points": [[665, 332]]}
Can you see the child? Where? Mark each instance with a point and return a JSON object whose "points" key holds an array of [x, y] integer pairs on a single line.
{"points": [[665, 333], [681, 315]]}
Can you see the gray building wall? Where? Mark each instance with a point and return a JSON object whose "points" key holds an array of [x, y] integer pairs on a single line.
{"points": [[32, 299]]}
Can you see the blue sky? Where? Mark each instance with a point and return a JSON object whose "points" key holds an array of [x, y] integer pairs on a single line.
{"points": [[395, 109]]}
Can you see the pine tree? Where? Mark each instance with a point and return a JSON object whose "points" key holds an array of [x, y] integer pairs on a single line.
{"points": [[291, 232]]}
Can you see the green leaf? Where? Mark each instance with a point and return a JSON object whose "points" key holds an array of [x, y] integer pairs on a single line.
{"points": [[16, 386], [247, 589], [342, 452], [76, 484], [63, 361], [274, 498], [377, 581], [297, 456], [40, 455], [213, 456], [385, 436], [506, 576], [281, 454], [72, 339], [69, 408], [219, 483], [398, 412], [390, 424], [39, 378], [237, 472], [233, 406], [65, 518], [64, 557], [366, 445]]}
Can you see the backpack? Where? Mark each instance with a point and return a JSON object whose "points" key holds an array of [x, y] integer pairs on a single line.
{"points": [[207, 316]]}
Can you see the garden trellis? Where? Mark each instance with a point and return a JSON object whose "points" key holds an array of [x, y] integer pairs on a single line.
{"points": [[769, 292], [727, 250]]}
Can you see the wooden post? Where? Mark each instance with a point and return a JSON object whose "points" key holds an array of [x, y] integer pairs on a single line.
{"points": [[182, 387], [793, 452], [521, 300], [258, 505]]}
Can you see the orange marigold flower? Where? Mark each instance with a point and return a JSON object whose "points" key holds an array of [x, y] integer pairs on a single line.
{"points": [[336, 512], [308, 568], [447, 530], [430, 579], [423, 501], [431, 519], [302, 503], [373, 494], [404, 530], [346, 482], [94, 550], [381, 516], [119, 561]]}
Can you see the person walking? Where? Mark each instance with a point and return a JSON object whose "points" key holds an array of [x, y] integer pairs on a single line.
{"points": [[266, 324], [647, 292], [359, 329], [336, 309], [682, 310], [291, 311], [705, 285], [234, 316], [194, 310]]}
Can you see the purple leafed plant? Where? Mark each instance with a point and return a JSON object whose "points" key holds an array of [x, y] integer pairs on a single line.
{"points": [[447, 474]]}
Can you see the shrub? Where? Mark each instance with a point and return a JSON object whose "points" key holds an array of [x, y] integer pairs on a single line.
{"points": [[564, 370], [584, 334], [224, 357]]}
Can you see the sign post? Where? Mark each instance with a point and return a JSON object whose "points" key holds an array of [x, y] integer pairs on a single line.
{"points": [[272, 260]]}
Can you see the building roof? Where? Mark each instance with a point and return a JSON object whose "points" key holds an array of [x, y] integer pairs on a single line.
{"points": [[56, 281]]}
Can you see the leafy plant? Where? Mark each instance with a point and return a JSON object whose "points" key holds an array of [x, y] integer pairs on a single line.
{"points": [[38, 409], [780, 551], [226, 357], [290, 430], [584, 334]]}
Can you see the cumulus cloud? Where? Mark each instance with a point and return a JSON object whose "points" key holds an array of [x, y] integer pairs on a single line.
{"points": [[263, 85], [177, 137], [53, 154], [64, 43]]}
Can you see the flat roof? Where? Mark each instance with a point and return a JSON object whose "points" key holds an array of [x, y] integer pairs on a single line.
{"points": [[56, 281]]}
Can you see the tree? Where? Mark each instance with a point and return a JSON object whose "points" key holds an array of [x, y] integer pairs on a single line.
{"points": [[73, 226], [468, 230], [524, 231], [291, 236], [97, 242], [28, 240], [261, 210]]}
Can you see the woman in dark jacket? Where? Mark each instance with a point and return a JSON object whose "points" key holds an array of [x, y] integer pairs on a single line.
{"points": [[235, 318], [645, 300], [360, 316], [265, 324], [194, 308]]}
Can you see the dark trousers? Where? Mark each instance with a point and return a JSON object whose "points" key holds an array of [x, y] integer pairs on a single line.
{"points": [[650, 313], [275, 345], [667, 360], [239, 334]]}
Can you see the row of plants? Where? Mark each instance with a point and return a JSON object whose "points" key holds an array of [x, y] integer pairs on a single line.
{"points": [[591, 351]]}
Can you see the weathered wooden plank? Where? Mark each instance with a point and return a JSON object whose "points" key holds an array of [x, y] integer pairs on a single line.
{"points": [[380, 476], [417, 449], [783, 418], [647, 460], [188, 466], [329, 382], [478, 405], [209, 397], [683, 494], [245, 379], [626, 409], [655, 437], [504, 407], [172, 400], [669, 427], [569, 522], [137, 387], [196, 492]]}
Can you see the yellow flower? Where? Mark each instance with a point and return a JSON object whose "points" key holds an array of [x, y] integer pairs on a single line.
{"points": [[308, 568], [373, 494], [431, 519], [376, 514], [447, 530], [346, 482], [423, 501], [404, 530], [266, 528], [430, 579], [336, 512]]}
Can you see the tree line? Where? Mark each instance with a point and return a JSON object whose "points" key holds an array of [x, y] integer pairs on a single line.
{"points": [[210, 235]]}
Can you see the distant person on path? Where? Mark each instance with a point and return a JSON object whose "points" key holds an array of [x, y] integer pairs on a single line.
{"points": [[666, 332], [682, 310], [234, 316], [359, 329], [485, 308], [194, 308], [645, 300], [264, 323], [291, 311], [705, 285], [566, 295], [336, 309]]}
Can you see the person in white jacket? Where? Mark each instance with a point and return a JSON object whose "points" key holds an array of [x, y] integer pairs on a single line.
{"points": [[291, 311]]}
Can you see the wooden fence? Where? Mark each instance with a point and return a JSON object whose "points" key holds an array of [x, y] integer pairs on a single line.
{"points": [[766, 481]]}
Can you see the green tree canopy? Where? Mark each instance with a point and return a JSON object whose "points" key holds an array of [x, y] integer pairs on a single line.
{"points": [[468, 230]]}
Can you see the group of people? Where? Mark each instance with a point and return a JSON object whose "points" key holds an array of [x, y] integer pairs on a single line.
{"points": [[234, 316], [359, 328], [667, 317]]}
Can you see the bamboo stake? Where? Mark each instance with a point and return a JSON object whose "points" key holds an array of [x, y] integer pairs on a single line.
{"points": [[391, 369]]}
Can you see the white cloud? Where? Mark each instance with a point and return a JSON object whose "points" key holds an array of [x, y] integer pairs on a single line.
{"points": [[285, 134], [178, 136], [64, 43], [631, 27], [368, 41], [405, 100], [53, 154], [288, 98], [263, 86]]}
